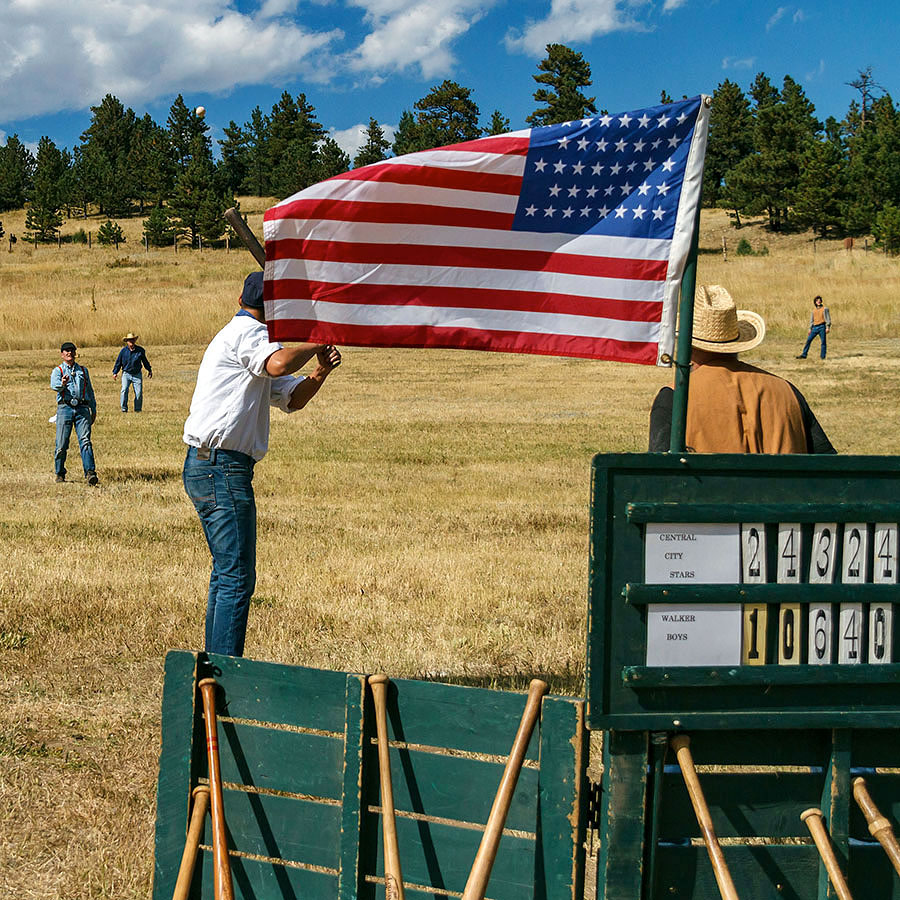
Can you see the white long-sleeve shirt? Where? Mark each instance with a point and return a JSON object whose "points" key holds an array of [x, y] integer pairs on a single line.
{"points": [[230, 406]]}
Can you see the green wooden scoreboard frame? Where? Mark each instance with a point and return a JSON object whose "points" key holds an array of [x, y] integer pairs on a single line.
{"points": [[628, 491]]}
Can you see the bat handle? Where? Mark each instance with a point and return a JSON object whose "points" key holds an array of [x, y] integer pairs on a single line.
{"points": [[813, 819], [223, 887], [242, 230], [195, 832], [480, 875], [393, 874], [879, 827], [681, 744]]}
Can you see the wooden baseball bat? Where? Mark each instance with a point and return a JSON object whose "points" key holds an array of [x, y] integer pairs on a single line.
{"points": [[879, 827], [813, 819], [393, 874], [480, 874], [223, 888], [681, 744], [242, 230], [195, 832]]}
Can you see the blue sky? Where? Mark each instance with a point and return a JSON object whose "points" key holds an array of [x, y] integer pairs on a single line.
{"points": [[360, 58]]}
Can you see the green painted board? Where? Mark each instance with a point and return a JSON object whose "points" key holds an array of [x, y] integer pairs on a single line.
{"points": [[631, 490], [257, 879]]}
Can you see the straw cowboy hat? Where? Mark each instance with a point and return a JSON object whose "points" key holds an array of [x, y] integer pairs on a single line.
{"points": [[131, 336], [719, 327]]}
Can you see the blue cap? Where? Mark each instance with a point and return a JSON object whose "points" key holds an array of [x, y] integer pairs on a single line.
{"points": [[252, 295]]}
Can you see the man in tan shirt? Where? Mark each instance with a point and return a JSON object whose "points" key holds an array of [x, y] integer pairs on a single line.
{"points": [[734, 407]]}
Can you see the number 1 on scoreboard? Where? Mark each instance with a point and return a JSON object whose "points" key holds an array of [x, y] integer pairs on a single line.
{"points": [[756, 615], [789, 637], [881, 615]]}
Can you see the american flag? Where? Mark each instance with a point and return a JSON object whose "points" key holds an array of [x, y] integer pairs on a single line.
{"points": [[567, 240]]}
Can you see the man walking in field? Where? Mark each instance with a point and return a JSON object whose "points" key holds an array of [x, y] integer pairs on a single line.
{"points": [[227, 433], [819, 326], [734, 407], [132, 360], [76, 407]]}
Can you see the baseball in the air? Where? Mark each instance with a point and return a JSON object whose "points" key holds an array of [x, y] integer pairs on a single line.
{"points": [[200, 111]]}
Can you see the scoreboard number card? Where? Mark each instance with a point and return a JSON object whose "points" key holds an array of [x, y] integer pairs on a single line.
{"points": [[853, 571], [881, 615], [756, 615], [821, 571], [789, 546], [693, 634]]}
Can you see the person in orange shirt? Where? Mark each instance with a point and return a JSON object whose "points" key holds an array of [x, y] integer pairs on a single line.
{"points": [[734, 407], [819, 325]]}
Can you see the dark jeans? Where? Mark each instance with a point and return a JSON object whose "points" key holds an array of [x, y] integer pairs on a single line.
{"points": [[221, 489], [815, 330], [80, 417]]}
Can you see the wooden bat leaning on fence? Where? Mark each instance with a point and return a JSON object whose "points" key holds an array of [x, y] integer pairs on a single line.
{"points": [[242, 230], [681, 744], [879, 826], [480, 874], [393, 874], [223, 888], [195, 832], [813, 819]]}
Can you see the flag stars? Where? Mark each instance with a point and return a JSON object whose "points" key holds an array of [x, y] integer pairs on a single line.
{"points": [[656, 143], [649, 164], [605, 120], [578, 168], [663, 120], [530, 210], [554, 191], [586, 123], [620, 212], [663, 189], [626, 189], [567, 213], [596, 169], [642, 190], [603, 212], [638, 212], [583, 144], [549, 211], [681, 119], [591, 192], [638, 146], [644, 120], [540, 165], [614, 170], [585, 211], [668, 165], [631, 166], [574, 191], [620, 146], [658, 213], [673, 141], [602, 145], [559, 167], [608, 190], [563, 143], [625, 120]]}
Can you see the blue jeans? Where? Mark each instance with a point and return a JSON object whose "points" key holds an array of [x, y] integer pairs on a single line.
{"points": [[138, 384], [813, 332], [221, 489], [80, 417]]}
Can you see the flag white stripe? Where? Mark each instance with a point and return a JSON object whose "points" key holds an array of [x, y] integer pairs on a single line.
{"points": [[460, 277], [481, 161], [478, 319], [390, 192], [451, 236]]}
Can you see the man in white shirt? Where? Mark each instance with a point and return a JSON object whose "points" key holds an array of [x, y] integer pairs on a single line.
{"points": [[227, 432]]}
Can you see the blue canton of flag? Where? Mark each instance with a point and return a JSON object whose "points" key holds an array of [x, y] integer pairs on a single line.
{"points": [[618, 175]]}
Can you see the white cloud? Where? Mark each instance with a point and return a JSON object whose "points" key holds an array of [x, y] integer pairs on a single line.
{"points": [[669, 5], [799, 16], [410, 33], [776, 17], [67, 54], [816, 73], [351, 139], [734, 62], [575, 20]]}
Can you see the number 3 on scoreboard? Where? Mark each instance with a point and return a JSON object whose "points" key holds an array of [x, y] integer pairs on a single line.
{"points": [[789, 626]]}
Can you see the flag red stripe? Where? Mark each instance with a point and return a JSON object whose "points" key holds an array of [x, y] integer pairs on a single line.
{"points": [[395, 213], [511, 145], [464, 298], [468, 257], [462, 338], [433, 176]]}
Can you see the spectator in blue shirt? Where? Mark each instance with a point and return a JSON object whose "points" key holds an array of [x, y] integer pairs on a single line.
{"points": [[130, 360], [75, 406]]}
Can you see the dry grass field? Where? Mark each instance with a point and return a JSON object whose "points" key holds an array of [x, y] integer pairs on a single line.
{"points": [[426, 515]]}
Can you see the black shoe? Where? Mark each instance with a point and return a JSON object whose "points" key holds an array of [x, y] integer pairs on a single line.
{"points": [[60, 479], [801, 356], [92, 478]]}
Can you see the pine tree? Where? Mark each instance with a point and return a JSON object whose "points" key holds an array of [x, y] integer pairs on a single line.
{"points": [[447, 115], [110, 233], [109, 138], [158, 228], [565, 72], [886, 229], [188, 134], [191, 189], [293, 135], [730, 137], [819, 197], [16, 172], [665, 97], [498, 124], [331, 159], [374, 149], [235, 162], [408, 137], [43, 219], [258, 179]]}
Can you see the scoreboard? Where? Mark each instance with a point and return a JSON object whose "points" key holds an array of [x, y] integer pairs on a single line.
{"points": [[743, 591]]}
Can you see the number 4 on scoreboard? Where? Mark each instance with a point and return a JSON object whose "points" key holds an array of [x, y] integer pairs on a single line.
{"points": [[855, 556], [789, 637]]}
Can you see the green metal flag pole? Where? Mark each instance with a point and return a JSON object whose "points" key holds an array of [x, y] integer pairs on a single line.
{"points": [[683, 346]]}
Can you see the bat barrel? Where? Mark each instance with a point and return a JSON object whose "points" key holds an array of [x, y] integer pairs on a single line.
{"points": [[191, 844], [681, 744], [813, 819], [879, 827]]}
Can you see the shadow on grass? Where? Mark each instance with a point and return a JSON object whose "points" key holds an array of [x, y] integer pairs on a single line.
{"points": [[157, 475]]}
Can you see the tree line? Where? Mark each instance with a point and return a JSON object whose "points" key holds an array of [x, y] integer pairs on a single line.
{"points": [[767, 154]]}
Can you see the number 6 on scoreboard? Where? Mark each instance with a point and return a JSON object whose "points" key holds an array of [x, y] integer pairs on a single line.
{"points": [[789, 637], [821, 571]]}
